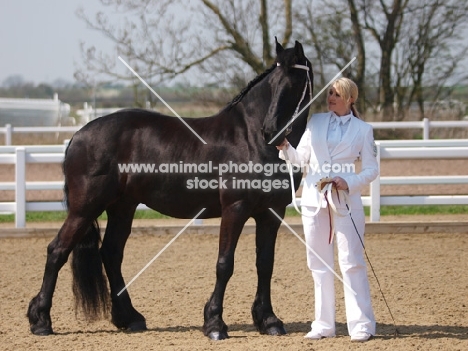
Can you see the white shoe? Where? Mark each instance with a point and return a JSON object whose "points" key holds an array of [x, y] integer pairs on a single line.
{"points": [[361, 337], [313, 336]]}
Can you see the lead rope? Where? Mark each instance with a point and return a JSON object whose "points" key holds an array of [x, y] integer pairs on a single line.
{"points": [[327, 186]]}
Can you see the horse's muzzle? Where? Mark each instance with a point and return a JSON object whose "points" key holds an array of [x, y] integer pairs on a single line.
{"points": [[268, 135], [273, 138]]}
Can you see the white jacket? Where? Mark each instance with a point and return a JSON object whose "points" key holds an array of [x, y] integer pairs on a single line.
{"points": [[358, 141]]}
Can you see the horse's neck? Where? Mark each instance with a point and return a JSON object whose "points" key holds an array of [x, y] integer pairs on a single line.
{"points": [[256, 106], [249, 111]]}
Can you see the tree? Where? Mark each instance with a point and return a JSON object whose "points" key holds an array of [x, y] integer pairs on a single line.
{"points": [[431, 55], [401, 46], [358, 36], [13, 81], [229, 39], [335, 34], [384, 22], [419, 45]]}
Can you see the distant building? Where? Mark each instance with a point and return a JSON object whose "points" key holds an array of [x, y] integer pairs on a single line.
{"points": [[34, 112]]}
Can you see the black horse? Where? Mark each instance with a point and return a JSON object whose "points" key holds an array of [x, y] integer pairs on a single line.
{"points": [[241, 137]]}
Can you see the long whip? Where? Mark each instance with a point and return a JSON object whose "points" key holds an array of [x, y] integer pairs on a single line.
{"points": [[396, 332]]}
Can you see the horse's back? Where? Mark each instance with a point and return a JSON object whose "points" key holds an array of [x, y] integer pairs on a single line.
{"points": [[120, 154], [123, 152]]}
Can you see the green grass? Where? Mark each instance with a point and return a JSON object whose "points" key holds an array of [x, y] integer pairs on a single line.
{"points": [[59, 216], [421, 210], [148, 214], [409, 210]]}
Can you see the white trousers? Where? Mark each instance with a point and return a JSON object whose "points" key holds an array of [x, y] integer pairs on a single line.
{"points": [[359, 313]]}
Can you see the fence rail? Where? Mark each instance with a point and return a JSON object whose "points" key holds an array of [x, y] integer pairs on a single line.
{"points": [[405, 149], [417, 149], [426, 125]]}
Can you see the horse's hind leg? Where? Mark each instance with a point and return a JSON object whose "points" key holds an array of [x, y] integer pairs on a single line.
{"points": [[58, 251], [263, 316], [119, 224]]}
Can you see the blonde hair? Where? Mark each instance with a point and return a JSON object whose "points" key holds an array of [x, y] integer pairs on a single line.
{"points": [[348, 90]]}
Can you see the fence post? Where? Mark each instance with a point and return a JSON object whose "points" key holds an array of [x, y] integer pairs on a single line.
{"points": [[426, 128], [375, 192], [8, 134], [20, 188]]}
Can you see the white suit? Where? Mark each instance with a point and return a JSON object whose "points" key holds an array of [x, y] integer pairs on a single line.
{"points": [[313, 149]]}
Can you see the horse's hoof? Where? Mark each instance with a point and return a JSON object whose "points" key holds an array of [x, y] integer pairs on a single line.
{"points": [[218, 335], [276, 331], [42, 331], [137, 327]]}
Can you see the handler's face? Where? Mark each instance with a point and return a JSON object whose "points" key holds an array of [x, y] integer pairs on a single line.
{"points": [[336, 103]]}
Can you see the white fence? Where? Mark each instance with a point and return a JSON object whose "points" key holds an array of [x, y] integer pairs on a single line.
{"points": [[417, 149], [426, 125], [399, 149], [8, 131]]}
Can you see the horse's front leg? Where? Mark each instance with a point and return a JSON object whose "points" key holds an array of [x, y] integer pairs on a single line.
{"points": [[263, 316], [232, 222]]}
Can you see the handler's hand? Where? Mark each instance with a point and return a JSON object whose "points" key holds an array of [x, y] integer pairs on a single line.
{"points": [[340, 183], [283, 145]]}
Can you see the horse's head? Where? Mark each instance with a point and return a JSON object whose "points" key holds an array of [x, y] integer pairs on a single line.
{"points": [[291, 84]]}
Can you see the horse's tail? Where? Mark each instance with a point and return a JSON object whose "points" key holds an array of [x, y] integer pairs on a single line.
{"points": [[65, 187], [89, 282]]}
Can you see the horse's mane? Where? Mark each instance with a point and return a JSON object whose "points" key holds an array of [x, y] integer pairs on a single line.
{"points": [[249, 86]]}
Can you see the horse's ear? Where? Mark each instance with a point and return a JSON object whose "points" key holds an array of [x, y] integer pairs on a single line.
{"points": [[279, 48], [299, 50]]}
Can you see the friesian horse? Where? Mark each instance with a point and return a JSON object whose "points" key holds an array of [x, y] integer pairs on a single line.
{"points": [[242, 135]]}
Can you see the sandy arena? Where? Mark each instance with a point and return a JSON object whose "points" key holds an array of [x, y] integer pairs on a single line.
{"points": [[423, 276]]}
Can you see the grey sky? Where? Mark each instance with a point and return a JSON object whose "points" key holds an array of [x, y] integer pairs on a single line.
{"points": [[40, 38]]}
